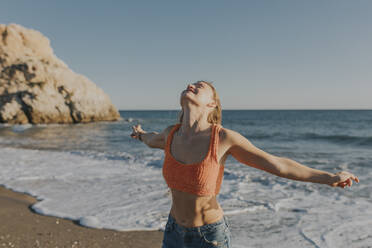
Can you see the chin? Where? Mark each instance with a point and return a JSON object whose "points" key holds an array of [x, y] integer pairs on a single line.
{"points": [[184, 99]]}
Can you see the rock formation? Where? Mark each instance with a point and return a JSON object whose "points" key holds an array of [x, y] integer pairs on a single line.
{"points": [[37, 87]]}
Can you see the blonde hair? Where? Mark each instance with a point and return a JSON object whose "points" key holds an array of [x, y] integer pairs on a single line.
{"points": [[214, 117]]}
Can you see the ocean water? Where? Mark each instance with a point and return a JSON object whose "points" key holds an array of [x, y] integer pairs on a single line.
{"points": [[98, 175]]}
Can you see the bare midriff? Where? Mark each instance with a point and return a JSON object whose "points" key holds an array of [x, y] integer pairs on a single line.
{"points": [[192, 210]]}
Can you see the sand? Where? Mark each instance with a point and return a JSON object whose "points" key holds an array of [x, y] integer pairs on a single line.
{"points": [[21, 227]]}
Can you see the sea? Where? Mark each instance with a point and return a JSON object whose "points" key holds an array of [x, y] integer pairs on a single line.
{"points": [[99, 176]]}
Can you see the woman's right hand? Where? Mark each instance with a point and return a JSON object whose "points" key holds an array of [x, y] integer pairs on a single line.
{"points": [[137, 130]]}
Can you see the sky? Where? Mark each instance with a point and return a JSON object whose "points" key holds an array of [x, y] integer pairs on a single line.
{"points": [[258, 54]]}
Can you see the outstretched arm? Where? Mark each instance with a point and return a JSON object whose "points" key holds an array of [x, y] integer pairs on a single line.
{"points": [[151, 139], [296, 171], [245, 152]]}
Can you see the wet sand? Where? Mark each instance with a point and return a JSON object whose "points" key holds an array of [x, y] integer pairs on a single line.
{"points": [[23, 228]]}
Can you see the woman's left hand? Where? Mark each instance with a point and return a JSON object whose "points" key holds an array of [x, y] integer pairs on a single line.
{"points": [[343, 179]]}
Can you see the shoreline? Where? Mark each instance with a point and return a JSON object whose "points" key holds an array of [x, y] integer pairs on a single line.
{"points": [[22, 227]]}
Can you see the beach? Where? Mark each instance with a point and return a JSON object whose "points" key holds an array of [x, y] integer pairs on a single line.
{"points": [[21, 227], [112, 187]]}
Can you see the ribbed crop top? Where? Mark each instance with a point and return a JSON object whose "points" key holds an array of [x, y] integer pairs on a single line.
{"points": [[203, 178]]}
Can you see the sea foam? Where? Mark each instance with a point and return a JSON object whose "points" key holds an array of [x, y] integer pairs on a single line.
{"points": [[131, 194]]}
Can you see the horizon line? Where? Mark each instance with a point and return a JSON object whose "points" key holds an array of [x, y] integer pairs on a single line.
{"points": [[243, 109]]}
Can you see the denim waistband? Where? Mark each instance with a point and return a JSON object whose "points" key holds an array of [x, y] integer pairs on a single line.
{"points": [[197, 229]]}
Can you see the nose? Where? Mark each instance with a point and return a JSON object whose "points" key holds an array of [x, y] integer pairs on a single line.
{"points": [[190, 86]]}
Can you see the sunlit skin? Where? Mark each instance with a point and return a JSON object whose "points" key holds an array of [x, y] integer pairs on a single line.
{"points": [[190, 145]]}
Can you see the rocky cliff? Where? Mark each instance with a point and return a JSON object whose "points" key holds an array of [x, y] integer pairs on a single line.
{"points": [[37, 87]]}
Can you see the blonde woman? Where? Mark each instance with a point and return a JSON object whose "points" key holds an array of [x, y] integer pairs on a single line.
{"points": [[195, 150]]}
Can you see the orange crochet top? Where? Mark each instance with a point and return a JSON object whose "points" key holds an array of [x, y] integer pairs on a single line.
{"points": [[203, 178]]}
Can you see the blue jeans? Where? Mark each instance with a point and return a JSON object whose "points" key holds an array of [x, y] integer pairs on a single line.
{"points": [[212, 235]]}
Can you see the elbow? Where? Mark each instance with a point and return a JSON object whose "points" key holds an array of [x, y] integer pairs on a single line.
{"points": [[281, 166]]}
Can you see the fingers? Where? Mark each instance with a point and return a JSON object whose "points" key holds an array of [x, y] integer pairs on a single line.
{"points": [[136, 130], [348, 182], [352, 177], [342, 184]]}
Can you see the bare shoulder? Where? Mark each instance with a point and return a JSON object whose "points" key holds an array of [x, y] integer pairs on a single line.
{"points": [[159, 141], [235, 142], [223, 132], [167, 130], [229, 136]]}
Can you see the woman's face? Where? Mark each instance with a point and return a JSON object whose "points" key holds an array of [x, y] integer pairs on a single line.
{"points": [[199, 93]]}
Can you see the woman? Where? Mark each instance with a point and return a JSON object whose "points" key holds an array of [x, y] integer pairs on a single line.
{"points": [[196, 149]]}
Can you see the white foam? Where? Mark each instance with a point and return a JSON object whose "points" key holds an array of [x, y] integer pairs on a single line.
{"points": [[90, 221], [131, 194], [74, 187], [20, 128]]}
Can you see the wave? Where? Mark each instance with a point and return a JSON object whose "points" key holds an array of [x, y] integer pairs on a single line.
{"points": [[106, 155], [341, 139]]}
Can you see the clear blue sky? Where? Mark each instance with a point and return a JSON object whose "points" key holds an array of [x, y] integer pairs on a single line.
{"points": [[258, 54]]}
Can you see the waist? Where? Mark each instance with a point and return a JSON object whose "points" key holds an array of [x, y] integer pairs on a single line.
{"points": [[189, 215], [197, 229]]}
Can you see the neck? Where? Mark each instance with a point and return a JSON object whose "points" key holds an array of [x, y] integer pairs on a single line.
{"points": [[194, 121]]}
